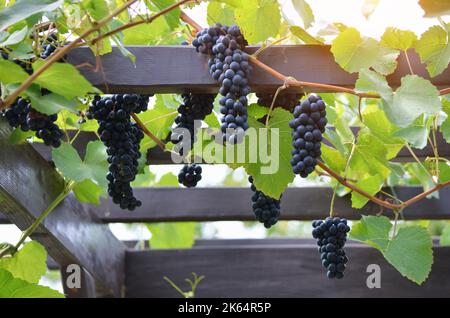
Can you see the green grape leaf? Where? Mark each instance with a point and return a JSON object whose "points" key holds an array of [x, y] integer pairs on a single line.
{"points": [[146, 33], [50, 103], [303, 35], [19, 136], [220, 12], [416, 135], [305, 12], [97, 9], [352, 52], [10, 72], [371, 185], [29, 263], [411, 253], [212, 120], [372, 82], [376, 121], [414, 97], [159, 121], [89, 192], [434, 49], [11, 287], [256, 111], [398, 39], [60, 78], [370, 156], [333, 158], [15, 37], [172, 235], [372, 230], [94, 167], [173, 17], [387, 60], [273, 183], [259, 19], [22, 9]]}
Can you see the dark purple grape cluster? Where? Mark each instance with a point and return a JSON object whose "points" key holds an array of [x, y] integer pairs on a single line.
{"points": [[194, 107], [230, 66], [285, 100], [45, 128], [122, 139], [17, 114], [21, 114], [266, 209], [307, 126], [331, 235], [190, 175], [49, 46]]}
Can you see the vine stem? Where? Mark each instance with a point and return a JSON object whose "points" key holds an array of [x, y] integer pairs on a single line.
{"points": [[293, 82], [148, 132], [30, 230], [419, 162]]}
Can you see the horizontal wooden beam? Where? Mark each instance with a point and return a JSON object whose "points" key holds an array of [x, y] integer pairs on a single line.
{"points": [[234, 204], [275, 270], [177, 69], [72, 233], [226, 204]]}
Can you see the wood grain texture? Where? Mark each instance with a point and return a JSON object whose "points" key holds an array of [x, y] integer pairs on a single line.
{"points": [[177, 69], [226, 204], [72, 234], [282, 270]]}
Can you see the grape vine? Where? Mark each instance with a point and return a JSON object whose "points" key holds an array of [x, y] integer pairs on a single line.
{"points": [[230, 66]]}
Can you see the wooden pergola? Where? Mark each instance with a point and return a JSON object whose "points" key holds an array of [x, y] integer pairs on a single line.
{"points": [[77, 233]]}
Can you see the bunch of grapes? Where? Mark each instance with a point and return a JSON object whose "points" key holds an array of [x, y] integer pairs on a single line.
{"points": [[49, 46], [21, 114], [285, 100], [266, 209], [45, 128], [122, 139], [331, 235], [190, 175], [17, 114], [194, 107], [307, 126], [230, 66]]}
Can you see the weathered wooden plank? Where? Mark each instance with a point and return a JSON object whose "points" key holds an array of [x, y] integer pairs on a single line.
{"points": [[282, 270], [72, 234], [177, 69], [221, 204]]}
